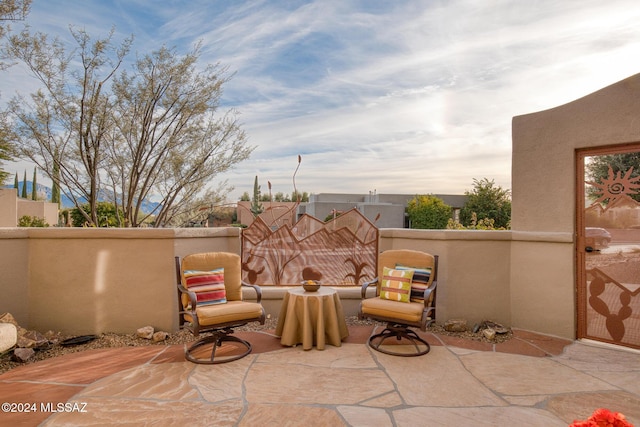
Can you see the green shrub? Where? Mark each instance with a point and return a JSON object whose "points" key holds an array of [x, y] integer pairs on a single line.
{"points": [[428, 212], [31, 221]]}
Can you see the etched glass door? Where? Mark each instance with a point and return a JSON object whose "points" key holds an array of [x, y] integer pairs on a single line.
{"points": [[608, 245]]}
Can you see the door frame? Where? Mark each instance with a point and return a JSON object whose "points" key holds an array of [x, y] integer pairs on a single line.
{"points": [[580, 257]]}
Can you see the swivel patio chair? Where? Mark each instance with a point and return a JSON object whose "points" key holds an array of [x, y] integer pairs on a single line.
{"points": [[405, 298], [210, 300]]}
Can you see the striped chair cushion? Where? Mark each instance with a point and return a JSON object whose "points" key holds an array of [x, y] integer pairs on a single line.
{"points": [[208, 285], [419, 283], [396, 284]]}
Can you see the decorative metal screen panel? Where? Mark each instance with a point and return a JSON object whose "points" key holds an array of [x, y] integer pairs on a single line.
{"points": [[612, 262], [343, 251]]}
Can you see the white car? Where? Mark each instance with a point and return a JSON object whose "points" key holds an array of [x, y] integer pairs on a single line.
{"points": [[597, 237]]}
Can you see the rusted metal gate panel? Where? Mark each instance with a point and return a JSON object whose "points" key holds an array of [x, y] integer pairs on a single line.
{"points": [[343, 251]]}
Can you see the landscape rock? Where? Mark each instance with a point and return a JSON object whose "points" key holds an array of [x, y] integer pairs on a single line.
{"points": [[8, 336], [32, 339], [489, 333], [455, 325], [22, 355], [145, 332], [160, 336], [54, 337], [8, 318]]}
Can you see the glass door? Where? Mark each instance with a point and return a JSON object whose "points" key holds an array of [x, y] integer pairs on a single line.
{"points": [[608, 245]]}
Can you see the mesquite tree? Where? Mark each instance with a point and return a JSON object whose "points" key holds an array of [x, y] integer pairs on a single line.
{"points": [[64, 124], [168, 141], [104, 134]]}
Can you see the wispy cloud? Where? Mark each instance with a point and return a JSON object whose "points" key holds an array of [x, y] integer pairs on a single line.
{"points": [[400, 97]]}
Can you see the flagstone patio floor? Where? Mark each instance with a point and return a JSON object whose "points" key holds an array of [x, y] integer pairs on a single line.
{"points": [[530, 380]]}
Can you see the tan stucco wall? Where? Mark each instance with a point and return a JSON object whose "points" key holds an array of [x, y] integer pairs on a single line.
{"points": [[542, 283], [39, 209], [8, 207], [88, 280], [544, 145], [473, 270], [543, 278], [97, 280], [196, 240], [12, 208], [78, 279], [117, 280], [14, 272]]}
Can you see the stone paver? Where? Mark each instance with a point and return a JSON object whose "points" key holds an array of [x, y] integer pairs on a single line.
{"points": [[517, 375], [350, 385], [477, 417], [438, 379]]}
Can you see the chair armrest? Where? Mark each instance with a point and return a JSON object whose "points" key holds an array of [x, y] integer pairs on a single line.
{"points": [[256, 288], [193, 299], [427, 293], [365, 285]]}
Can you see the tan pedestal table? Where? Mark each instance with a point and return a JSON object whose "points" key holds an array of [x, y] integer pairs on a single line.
{"points": [[312, 318]]}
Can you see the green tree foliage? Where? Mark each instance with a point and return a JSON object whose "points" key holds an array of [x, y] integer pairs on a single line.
{"points": [[23, 194], [245, 197], [597, 169], [103, 133], [256, 206], [297, 196], [483, 224], [34, 186], [6, 149], [487, 201], [107, 213], [31, 221], [171, 138], [10, 10], [428, 212]]}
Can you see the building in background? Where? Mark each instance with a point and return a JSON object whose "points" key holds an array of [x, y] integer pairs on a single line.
{"points": [[384, 210]]}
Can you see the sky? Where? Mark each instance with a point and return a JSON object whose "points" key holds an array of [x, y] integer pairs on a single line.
{"points": [[402, 96]]}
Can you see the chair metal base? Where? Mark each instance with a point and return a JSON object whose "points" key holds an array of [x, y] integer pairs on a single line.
{"points": [[398, 332], [216, 339]]}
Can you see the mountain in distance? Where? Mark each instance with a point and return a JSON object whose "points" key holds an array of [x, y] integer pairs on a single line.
{"points": [[44, 193]]}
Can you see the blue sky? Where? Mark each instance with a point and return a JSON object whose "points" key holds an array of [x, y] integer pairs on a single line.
{"points": [[412, 97]]}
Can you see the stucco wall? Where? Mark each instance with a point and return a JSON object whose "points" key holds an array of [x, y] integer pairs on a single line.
{"points": [[12, 208], [544, 145], [39, 209], [88, 280], [543, 278], [14, 273], [78, 279], [473, 270], [8, 207], [97, 280], [542, 283]]}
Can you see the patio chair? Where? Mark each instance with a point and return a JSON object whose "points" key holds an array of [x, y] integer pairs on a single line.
{"points": [[210, 300], [405, 298]]}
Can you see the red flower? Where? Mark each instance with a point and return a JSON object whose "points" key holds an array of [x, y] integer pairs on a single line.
{"points": [[603, 418]]}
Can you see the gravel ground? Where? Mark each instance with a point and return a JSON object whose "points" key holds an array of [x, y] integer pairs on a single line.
{"points": [[111, 340]]}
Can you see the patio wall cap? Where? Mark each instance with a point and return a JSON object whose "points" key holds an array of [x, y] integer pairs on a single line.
{"points": [[14, 233], [484, 235], [542, 236], [182, 233], [408, 233], [99, 233], [116, 233]]}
